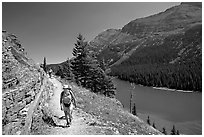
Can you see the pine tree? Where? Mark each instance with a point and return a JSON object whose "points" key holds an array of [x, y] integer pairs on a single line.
{"points": [[109, 88], [79, 64], [71, 73], [60, 72], [100, 82], [173, 131], [44, 65], [164, 131], [148, 120], [177, 132], [87, 72], [134, 112], [153, 125], [67, 70]]}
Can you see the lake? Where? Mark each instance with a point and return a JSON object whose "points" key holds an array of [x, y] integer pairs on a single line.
{"points": [[165, 108]]}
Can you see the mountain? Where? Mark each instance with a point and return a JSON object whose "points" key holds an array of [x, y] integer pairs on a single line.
{"points": [[164, 49], [110, 36], [172, 19]]}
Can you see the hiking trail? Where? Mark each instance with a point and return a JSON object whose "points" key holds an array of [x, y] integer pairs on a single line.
{"points": [[82, 123]]}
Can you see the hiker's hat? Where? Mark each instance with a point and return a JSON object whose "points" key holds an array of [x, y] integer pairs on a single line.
{"points": [[66, 87]]}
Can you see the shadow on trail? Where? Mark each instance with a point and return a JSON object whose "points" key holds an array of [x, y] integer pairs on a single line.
{"points": [[62, 117]]}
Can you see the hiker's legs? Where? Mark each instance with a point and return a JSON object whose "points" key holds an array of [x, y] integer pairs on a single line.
{"points": [[70, 112], [66, 111], [66, 116]]}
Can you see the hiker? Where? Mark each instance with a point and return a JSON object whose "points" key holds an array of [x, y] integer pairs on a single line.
{"points": [[50, 73], [67, 103]]}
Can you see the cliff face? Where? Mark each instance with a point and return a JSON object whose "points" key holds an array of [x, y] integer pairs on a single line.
{"points": [[21, 82]]}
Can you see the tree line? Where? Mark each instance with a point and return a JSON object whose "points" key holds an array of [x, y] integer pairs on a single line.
{"points": [[181, 76], [156, 64]]}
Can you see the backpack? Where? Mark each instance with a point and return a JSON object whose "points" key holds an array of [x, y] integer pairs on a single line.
{"points": [[67, 97]]}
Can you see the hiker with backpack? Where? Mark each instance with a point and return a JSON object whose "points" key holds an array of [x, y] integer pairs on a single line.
{"points": [[67, 103]]}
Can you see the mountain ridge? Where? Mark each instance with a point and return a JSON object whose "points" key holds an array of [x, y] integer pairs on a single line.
{"points": [[178, 29]]}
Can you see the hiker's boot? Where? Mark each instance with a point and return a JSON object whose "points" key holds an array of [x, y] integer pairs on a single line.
{"points": [[68, 125]]}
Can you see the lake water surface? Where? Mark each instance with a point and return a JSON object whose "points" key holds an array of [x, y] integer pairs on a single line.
{"points": [[165, 108]]}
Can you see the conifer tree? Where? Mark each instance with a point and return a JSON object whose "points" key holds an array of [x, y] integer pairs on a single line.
{"points": [[44, 65], [79, 64], [100, 82], [173, 131], [60, 72], [177, 132], [67, 70], [164, 131], [154, 125], [148, 120], [134, 112], [87, 72], [109, 88]]}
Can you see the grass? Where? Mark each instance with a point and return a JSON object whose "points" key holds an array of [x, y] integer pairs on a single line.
{"points": [[110, 112]]}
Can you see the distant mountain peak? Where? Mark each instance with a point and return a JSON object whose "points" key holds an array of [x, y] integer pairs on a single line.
{"points": [[174, 18]]}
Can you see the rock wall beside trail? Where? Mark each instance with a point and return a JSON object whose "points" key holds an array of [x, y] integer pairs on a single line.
{"points": [[22, 80]]}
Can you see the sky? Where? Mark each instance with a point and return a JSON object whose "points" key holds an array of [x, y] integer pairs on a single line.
{"points": [[50, 29]]}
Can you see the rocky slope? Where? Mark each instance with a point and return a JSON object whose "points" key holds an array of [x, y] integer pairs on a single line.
{"points": [[22, 82]]}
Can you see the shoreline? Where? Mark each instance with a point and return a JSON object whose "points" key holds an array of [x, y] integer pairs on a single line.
{"points": [[174, 90], [161, 88]]}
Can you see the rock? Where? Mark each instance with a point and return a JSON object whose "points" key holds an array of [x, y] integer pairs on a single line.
{"points": [[21, 81], [18, 132]]}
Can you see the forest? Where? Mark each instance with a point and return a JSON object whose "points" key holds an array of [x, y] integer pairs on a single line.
{"points": [[175, 64]]}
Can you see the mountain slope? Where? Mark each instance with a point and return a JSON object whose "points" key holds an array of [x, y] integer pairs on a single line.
{"points": [[170, 38], [21, 84], [108, 37], [177, 17]]}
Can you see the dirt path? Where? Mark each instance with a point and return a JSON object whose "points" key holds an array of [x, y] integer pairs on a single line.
{"points": [[82, 123]]}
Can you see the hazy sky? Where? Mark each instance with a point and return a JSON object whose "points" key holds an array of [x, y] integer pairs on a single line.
{"points": [[50, 29]]}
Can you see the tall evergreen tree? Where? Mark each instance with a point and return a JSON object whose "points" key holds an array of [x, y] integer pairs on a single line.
{"points": [[164, 131], [70, 75], [134, 112], [44, 65], [154, 125], [87, 72], [173, 131], [148, 121], [79, 64], [177, 132]]}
